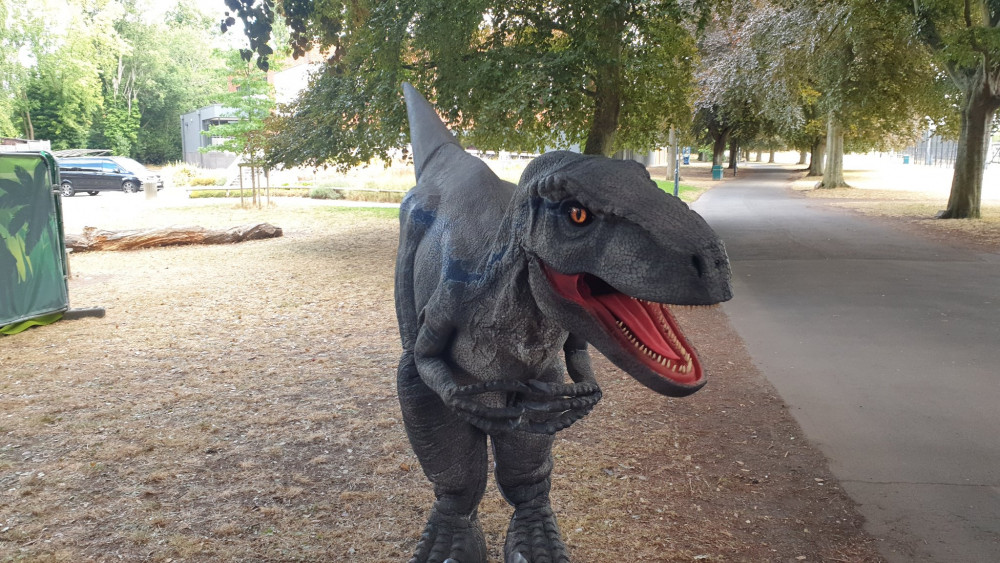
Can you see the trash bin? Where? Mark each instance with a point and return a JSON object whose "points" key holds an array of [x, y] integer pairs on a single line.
{"points": [[906, 159], [717, 172], [687, 159]]}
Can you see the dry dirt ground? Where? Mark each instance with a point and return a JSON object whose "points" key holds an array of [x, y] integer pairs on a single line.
{"points": [[910, 197], [237, 403]]}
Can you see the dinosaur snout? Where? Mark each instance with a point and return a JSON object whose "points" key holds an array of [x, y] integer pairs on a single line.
{"points": [[710, 267]]}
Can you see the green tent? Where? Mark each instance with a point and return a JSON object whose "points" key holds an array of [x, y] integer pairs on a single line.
{"points": [[33, 268]]}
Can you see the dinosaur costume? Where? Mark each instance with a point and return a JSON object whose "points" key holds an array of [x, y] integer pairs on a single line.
{"points": [[499, 289]]}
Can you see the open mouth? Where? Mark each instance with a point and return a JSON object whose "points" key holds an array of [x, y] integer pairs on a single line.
{"points": [[646, 330]]}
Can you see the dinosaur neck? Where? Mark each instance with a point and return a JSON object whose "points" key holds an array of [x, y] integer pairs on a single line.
{"points": [[504, 285]]}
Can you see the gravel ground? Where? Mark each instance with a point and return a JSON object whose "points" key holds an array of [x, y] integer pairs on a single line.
{"points": [[238, 403]]}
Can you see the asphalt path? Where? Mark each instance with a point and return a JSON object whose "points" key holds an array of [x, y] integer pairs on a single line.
{"points": [[886, 346]]}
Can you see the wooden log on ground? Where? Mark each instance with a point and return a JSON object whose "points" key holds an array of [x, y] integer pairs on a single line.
{"points": [[99, 239]]}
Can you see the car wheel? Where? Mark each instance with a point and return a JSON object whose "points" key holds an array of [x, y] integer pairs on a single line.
{"points": [[130, 187], [93, 193], [66, 189]]}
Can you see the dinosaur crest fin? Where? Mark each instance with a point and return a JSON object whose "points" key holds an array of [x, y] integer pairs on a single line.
{"points": [[427, 132]]}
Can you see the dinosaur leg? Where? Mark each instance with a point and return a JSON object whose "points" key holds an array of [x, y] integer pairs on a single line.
{"points": [[452, 453], [524, 468]]}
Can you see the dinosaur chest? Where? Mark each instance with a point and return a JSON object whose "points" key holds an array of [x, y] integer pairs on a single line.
{"points": [[517, 348]]}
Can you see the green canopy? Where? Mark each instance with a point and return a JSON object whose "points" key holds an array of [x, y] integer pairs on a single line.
{"points": [[33, 270]]}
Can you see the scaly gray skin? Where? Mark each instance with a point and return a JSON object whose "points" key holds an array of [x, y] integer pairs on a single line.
{"points": [[499, 288]]}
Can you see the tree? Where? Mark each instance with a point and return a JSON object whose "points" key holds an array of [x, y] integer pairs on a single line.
{"points": [[252, 101], [750, 78], [877, 81], [965, 39], [64, 94], [17, 26], [109, 77], [151, 73], [517, 75]]}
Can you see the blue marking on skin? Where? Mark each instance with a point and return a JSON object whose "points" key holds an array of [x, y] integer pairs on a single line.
{"points": [[422, 216], [454, 271], [496, 257]]}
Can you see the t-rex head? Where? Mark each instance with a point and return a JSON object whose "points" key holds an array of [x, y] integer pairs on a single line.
{"points": [[608, 250]]}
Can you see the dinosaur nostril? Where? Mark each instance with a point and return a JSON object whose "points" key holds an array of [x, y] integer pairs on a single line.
{"points": [[699, 265]]}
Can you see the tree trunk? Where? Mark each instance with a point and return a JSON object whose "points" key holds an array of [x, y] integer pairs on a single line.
{"points": [[770, 159], [803, 155], [29, 129], [816, 157], [96, 239], [833, 176], [607, 86], [760, 156], [672, 160], [978, 108], [734, 153], [719, 147]]}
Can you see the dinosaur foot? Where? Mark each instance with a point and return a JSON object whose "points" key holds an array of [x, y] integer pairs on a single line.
{"points": [[451, 538], [533, 537]]}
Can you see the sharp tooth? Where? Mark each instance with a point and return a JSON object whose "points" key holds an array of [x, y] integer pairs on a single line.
{"points": [[663, 361]]}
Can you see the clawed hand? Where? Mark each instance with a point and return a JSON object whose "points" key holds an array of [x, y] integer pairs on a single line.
{"points": [[532, 406]]}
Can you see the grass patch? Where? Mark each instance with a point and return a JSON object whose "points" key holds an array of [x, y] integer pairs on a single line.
{"points": [[247, 192], [362, 212], [374, 197], [685, 192]]}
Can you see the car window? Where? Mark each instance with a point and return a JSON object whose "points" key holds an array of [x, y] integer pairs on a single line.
{"points": [[130, 165], [109, 167], [80, 165]]}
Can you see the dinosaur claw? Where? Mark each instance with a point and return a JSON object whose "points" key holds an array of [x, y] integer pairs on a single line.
{"points": [[535, 406], [534, 535], [451, 538]]}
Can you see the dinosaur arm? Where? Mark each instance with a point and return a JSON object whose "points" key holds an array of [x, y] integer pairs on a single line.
{"points": [[430, 353], [578, 361], [537, 406]]}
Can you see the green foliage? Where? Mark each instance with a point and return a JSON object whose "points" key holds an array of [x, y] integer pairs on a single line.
{"points": [[206, 181], [777, 70], [522, 76], [965, 40], [119, 127], [251, 102], [325, 193], [101, 74]]}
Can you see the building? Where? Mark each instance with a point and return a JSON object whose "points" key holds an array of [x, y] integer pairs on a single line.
{"points": [[288, 84], [8, 144], [194, 136]]}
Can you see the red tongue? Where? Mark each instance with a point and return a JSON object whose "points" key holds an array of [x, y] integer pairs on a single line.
{"points": [[623, 308], [637, 319]]}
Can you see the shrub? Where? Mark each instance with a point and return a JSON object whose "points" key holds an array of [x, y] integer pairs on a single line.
{"points": [[181, 174], [206, 181], [325, 193], [213, 193]]}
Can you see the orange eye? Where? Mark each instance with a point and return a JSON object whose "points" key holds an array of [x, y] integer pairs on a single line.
{"points": [[579, 215]]}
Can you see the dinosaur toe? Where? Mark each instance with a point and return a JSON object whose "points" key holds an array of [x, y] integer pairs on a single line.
{"points": [[533, 537], [451, 538]]}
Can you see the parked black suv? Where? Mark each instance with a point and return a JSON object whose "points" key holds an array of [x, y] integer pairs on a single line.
{"points": [[103, 173]]}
